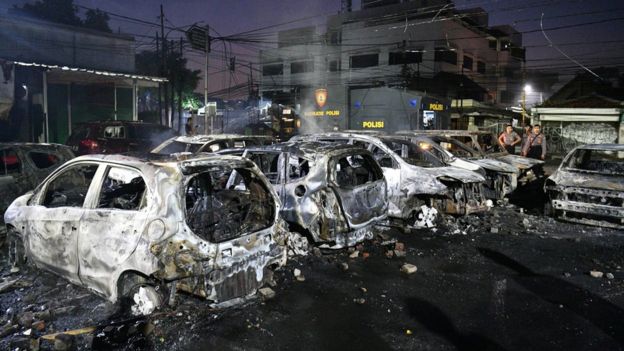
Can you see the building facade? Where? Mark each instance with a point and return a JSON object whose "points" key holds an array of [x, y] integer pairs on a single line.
{"points": [[424, 48], [54, 76]]}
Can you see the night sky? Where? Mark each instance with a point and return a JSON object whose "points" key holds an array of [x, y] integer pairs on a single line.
{"points": [[593, 44]]}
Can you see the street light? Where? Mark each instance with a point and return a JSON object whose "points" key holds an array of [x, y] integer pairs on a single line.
{"points": [[526, 90]]}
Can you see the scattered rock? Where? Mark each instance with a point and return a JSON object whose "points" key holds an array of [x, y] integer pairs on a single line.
{"points": [[409, 268], [363, 289], [567, 275], [494, 230], [63, 342], [266, 293], [398, 253], [596, 274], [344, 266], [609, 276], [26, 319], [354, 254], [39, 325], [298, 275], [360, 301]]}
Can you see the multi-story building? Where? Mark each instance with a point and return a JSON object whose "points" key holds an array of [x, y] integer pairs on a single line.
{"points": [[427, 52]]}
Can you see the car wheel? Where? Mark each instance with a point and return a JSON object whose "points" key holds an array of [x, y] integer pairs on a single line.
{"points": [[16, 252], [145, 300], [548, 209]]}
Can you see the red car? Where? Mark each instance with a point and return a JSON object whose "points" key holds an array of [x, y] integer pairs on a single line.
{"points": [[113, 137]]}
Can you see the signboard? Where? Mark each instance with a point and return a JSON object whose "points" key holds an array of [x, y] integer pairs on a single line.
{"points": [[199, 38], [320, 100], [436, 106], [373, 124], [428, 119]]}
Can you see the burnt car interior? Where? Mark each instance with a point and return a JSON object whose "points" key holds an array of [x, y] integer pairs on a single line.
{"points": [[355, 170], [413, 154], [43, 160], [600, 161], [122, 189], [10, 162], [70, 187], [225, 204], [178, 146]]}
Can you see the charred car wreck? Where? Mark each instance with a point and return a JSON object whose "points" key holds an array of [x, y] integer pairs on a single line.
{"points": [[588, 186], [209, 143], [500, 178], [415, 178], [331, 193], [123, 226], [23, 166]]}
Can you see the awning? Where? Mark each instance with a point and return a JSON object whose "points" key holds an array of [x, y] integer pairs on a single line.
{"points": [[65, 75]]}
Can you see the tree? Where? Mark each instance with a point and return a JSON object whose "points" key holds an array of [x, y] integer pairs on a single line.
{"points": [[98, 20], [65, 12]]}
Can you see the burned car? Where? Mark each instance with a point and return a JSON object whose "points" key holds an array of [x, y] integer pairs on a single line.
{"points": [[209, 143], [501, 178], [486, 145], [24, 165], [331, 193], [415, 177], [588, 186], [124, 226]]}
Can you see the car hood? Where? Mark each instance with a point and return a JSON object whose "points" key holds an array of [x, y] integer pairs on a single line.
{"points": [[459, 174], [520, 162], [495, 165], [569, 178]]}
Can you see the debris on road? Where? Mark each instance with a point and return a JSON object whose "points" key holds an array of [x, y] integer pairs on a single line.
{"points": [[409, 268], [596, 274], [266, 293]]}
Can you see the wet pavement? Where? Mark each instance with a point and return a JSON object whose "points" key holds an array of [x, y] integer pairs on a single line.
{"points": [[509, 279]]}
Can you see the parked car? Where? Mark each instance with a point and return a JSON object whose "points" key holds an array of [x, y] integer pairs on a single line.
{"points": [[124, 226], [501, 178], [415, 177], [24, 165], [113, 137], [209, 143], [588, 186], [331, 193], [486, 145]]}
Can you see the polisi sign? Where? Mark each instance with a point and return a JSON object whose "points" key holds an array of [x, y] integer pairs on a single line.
{"points": [[373, 124]]}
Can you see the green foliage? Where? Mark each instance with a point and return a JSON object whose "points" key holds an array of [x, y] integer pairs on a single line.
{"points": [[65, 12]]}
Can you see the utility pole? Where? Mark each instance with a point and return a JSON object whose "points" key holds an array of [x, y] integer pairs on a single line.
{"points": [[159, 84], [180, 81], [173, 83], [164, 61], [207, 51]]}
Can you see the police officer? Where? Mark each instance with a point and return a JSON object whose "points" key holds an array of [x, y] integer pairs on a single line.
{"points": [[535, 146], [508, 139]]}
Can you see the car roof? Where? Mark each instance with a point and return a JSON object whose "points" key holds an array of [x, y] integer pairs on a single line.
{"points": [[35, 145], [120, 122], [605, 147], [206, 138], [308, 148]]}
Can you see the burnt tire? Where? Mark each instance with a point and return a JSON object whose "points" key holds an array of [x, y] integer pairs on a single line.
{"points": [[140, 296], [16, 253]]}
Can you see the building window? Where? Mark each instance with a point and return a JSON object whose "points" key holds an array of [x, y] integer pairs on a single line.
{"points": [[334, 66], [445, 55], [362, 61], [468, 62], [335, 38], [404, 58], [301, 67], [481, 67], [276, 69], [492, 44]]}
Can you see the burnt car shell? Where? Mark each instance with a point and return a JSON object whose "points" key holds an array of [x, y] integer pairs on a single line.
{"points": [[24, 165], [449, 189], [166, 222], [588, 186], [333, 193], [209, 143]]}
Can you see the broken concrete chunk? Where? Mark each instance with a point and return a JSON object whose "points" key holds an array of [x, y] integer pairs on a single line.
{"points": [[360, 301], [609, 276], [344, 266], [298, 275], [494, 230], [26, 319], [354, 254], [266, 293], [596, 274], [63, 342], [409, 268]]}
